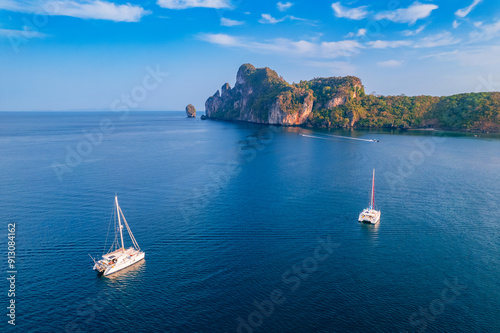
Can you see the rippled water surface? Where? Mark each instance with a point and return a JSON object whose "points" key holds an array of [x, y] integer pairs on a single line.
{"points": [[232, 217]]}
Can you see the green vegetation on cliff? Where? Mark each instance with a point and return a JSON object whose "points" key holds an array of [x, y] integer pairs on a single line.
{"points": [[327, 88], [473, 111], [266, 86], [261, 95]]}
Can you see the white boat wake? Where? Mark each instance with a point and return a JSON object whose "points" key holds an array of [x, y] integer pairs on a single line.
{"points": [[337, 136]]}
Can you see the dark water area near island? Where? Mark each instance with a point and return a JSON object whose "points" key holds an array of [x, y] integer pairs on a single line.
{"points": [[248, 228]]}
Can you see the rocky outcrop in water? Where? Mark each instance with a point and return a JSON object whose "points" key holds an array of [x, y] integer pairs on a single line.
{"points": [[260, 95], [190, 111]]}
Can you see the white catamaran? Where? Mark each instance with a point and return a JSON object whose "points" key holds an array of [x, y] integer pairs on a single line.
{"points": [[370, 215], [119, 258]]}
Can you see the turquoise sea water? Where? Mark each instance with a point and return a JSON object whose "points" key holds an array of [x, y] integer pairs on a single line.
{"points": [[248, 228]]}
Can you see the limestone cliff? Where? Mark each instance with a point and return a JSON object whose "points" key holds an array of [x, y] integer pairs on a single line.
{"points": [[261, 96]]}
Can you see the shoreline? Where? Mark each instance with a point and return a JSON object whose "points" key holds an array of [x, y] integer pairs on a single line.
{"points": [[427, 129]]}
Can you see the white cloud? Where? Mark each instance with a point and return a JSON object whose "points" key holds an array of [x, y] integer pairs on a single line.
{"points": [[268, 19], [413, 32], [283, 46], [183, 4], [456, 24], [390, 63], [465, 11], [384, 44], [441, 39], [359, 33], [340, 48], [26, 33], [407, 15], [221, 39], [230, 23], [357, 13], [283, 6], [84, 9], [484, 55], [486, 32]]}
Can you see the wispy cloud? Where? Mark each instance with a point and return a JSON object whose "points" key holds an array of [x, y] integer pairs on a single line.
{"points": [[295, 18], [465, 11], [385, 44], [484, 55], [183, 4], [440, 39], [283, 6], [486, 32], [221, 39], [409, 15], [413, 32], [283, 46], [26, 33], [268, 19], [359, 33], [88, 9], [357, 13], [230, 23], [456, 24], [390, 63]]}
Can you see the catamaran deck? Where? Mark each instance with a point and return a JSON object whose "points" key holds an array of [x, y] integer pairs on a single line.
{"points": [[119, 252]]}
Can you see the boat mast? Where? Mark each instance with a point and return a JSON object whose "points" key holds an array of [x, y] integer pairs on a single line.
{"points": [[373, 190], [119, 221]]}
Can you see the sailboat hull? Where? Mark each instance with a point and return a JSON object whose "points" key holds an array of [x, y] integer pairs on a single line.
{"points": [[369, 216], [124, 264], [114, 262]]}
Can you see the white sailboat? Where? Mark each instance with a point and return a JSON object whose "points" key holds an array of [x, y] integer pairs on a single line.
{"points": [[370, 214], [119, 257]]}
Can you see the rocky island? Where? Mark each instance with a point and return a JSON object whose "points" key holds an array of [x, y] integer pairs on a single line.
{"points": [[190, 111], [260, 95]]}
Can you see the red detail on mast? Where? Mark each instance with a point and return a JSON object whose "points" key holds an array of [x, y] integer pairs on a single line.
{"points": [[373, 190]]}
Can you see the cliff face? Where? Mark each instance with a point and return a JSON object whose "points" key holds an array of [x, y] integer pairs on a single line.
{"points": [[261, 96]]}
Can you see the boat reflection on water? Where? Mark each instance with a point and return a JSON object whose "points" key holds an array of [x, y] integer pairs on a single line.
{"points": [[370, 230], [371, 227]]}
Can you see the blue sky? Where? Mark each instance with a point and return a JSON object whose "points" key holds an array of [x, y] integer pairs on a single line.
{"points": [[89, 54]]}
